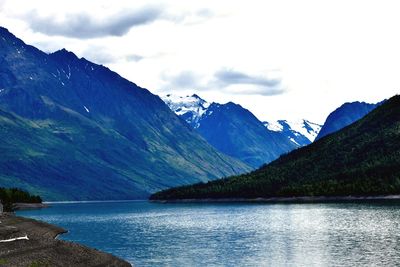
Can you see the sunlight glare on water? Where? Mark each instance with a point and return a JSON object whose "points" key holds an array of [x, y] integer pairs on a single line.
{"points": [[234, 234]]}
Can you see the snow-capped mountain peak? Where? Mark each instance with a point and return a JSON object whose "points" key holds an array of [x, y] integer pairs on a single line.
{"points": [[297, 130], [235, 131], [312, 129], [309, 129], [195, 111], [190, 108]]}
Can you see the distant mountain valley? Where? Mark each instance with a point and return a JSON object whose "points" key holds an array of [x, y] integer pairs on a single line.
{"points": [[235, 131]]}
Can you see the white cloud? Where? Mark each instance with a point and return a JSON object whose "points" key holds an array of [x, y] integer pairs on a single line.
{"points": [[225, 80], [85, 25], [244, 83], [326, 52]]}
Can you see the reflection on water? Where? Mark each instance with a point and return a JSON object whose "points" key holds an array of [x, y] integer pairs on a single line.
{"points": [[234, 234]]}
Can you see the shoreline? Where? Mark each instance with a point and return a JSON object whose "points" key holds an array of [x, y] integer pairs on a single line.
{"points": [[306, 199], [28, 242], [30, 206], [92, 201]]}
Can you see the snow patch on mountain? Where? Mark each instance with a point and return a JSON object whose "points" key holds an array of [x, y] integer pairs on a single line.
{"points": [[309, 129], [273, 126], [296, 128], [294, 141], [190, 108]]}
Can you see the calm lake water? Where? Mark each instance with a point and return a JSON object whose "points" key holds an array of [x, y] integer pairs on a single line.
{"points": [[234, 234]]}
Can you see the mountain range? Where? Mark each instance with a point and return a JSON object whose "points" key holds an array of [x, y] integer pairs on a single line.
{"points": [[361, 159], [235, 131], [74, 130]]}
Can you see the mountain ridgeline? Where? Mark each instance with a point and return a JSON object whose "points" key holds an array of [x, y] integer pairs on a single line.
{"points": [[345, 115], [236, 132], [362, 159], [300, 132], [74, 130]]}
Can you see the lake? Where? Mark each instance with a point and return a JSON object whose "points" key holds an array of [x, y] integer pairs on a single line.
{"points": [[234, 234]]}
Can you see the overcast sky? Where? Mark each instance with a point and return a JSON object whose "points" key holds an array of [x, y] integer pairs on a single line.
{"points": [[280, 59]]}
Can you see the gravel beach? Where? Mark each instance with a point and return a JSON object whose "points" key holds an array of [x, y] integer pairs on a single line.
{"points": [[28, 242]]}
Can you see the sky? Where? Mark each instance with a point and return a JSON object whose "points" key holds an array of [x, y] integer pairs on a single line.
{"points": [[280, 59]]}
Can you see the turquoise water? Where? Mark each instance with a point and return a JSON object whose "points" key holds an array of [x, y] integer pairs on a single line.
{"points": [[234, 234]]}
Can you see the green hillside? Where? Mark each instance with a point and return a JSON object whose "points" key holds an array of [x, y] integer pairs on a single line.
{"points": [[74, 130], [361, 159]]}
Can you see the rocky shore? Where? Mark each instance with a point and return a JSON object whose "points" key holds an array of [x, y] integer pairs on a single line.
{"points": [[28, 242]]}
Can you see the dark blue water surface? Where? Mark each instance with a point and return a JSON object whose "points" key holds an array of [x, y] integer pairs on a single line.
{"points": [[234, 234]]}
